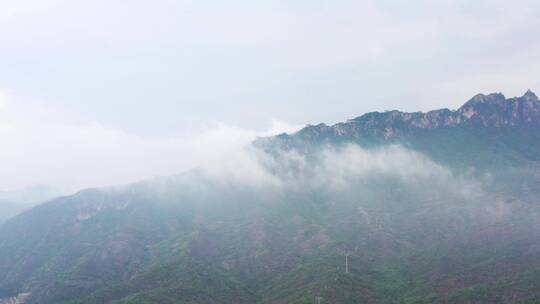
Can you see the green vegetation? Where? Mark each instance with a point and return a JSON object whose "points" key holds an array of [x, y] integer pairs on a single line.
{"points": [[471, 237]]}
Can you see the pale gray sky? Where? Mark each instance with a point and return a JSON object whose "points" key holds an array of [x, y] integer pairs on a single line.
{"points": [[108, 91]]}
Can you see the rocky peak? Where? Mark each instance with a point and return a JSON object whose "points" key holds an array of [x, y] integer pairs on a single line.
{"points": [[530, 96], [482, 100]]}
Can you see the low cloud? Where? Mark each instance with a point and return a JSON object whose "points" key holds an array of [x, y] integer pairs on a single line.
{"points": [[44, 146], [41, 145], [347, 171]]}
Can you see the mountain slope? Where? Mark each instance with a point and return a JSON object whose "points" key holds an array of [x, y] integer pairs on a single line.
{"points": [[437, 207]]}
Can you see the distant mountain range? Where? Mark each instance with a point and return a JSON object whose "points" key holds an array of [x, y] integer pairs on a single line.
{"points": [[436, 207], [13, 202]]}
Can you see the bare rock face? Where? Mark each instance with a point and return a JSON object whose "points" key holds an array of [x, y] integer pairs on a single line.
{"points": [[494, 110]]}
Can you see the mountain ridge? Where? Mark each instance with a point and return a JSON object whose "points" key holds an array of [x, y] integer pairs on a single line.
{"points": [[492, 110]]}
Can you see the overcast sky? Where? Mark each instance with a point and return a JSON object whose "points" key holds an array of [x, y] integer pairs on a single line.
{"points": [[108, 91]]}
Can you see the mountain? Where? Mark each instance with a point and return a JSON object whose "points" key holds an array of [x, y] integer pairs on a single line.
{"points": [[437, 207], [489, 134]]}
